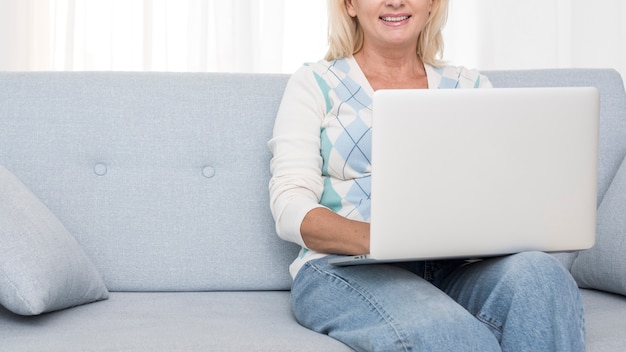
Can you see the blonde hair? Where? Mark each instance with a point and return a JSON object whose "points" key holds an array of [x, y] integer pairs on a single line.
{"points": [[345, 35]]}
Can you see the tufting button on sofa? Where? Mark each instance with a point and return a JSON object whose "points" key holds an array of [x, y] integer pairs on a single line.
{"points": [[100, 169], [208, 171]]}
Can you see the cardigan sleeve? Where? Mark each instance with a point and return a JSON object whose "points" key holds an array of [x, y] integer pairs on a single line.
{"points": [[296, 184]]}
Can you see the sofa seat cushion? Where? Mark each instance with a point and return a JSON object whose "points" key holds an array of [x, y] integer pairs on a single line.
{"points": [[173, 321], [604, 318], [223, 321]]}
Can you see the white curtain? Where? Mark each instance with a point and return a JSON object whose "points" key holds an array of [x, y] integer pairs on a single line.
{"points": [[501, 34], [279, 35], [160, 35]]}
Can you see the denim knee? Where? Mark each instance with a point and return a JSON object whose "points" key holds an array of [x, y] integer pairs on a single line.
{"points": [[540, 269], [529, 301]]}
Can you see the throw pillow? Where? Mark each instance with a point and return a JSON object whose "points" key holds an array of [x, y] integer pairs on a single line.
{"points": [[603, 267], [42, 266]]}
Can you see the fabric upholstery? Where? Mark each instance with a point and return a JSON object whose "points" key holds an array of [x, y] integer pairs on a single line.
{"points": [[178, 321], [162, 175], [604, 321]]}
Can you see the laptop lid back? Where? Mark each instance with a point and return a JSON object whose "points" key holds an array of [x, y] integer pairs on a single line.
{"points": [[481, 172]]}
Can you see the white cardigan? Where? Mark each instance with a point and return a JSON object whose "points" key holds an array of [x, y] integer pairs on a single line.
{"points": [[321, 143]]}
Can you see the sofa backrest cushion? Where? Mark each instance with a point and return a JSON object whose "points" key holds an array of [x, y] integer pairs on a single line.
{"points": [[162, 177]]}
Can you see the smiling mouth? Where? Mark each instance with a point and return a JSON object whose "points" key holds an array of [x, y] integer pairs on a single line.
{"points": [[395, 19]]}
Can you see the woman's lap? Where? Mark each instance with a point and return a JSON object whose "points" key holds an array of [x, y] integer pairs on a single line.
{"points": [[384, 307], [389, 307]]}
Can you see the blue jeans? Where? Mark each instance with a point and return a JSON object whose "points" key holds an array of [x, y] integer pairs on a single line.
{"points": [[522, 302]]}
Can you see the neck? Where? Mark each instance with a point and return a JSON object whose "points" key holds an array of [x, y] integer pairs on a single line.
{"points": [[392, 69]]}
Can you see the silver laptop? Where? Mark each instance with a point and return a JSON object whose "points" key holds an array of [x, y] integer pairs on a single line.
{"points": [[471, 173]]}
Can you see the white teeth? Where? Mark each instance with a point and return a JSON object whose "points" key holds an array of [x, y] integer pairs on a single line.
{"points": [[394, 19]]}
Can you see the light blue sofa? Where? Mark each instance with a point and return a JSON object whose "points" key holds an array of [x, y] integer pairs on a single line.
{"points": [[161, 179]]}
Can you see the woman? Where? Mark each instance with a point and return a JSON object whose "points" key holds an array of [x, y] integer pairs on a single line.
{"points": [[320, 200]]}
